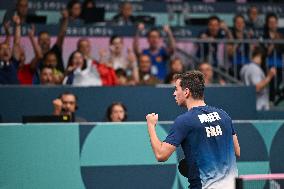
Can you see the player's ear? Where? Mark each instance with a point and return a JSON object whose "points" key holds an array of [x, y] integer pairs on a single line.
{"points": [[187, 92]]}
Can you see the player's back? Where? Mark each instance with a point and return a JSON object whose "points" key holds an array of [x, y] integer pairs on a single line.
{"points": [[209, 148]]}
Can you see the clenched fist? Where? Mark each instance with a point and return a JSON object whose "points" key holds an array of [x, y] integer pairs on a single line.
{"points": [[152, 119]]}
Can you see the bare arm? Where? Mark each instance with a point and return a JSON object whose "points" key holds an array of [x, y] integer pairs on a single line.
{"points": [[172, 42], [17, 38], [236, 146], [7, 32], [36, 48], [63, 28], [162, 150], [136, 48], [262, 84]]}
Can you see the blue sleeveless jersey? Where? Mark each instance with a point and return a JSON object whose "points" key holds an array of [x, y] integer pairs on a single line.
{"points": [[205, 134]]}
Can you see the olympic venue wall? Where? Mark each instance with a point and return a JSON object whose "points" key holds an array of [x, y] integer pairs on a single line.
{"points": [[108, 155]]}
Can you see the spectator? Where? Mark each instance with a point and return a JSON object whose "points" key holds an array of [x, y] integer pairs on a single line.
{"points": [[10, 59], [88, 4], [208, 73], [84, 46], [176, 67], [45, 42], [21, 11], [8, 66], [46, 76], [238, 53], [117, 59], [81, 72], [124, 17], [116, 112], [123, 79], [271, 32], [25, 71], [74, 10], [208, 51], [107, 74], [274, 51], [67, 104], [252, 74], [146, 78], [254, 22], [158, 54]]}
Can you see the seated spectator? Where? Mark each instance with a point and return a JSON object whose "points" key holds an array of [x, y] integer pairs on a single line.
{"points": [[26, 71], [252, 75], [86, 73], [46, 76], [50, 59], [44, 41], [208, 51], [10, 59], [85, 47], [8, 66], [67, 104], [21, 11], [116, 112], [146, 78], [81, 72], [124, 17], [116, 58], [176, 67], [74, 10], [254, 21], [208, 73], [238, 53], [107, 74], [158, 54], [123, 79]]}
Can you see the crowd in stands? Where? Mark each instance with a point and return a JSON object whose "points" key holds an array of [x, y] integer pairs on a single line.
{"points": [[156, 64]]}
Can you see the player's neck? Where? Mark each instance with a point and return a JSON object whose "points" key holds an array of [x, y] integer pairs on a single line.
{"points": [[194, 103]]}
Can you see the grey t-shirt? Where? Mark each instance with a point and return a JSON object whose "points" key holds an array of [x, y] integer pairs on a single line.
{"points": [[251, 74]]}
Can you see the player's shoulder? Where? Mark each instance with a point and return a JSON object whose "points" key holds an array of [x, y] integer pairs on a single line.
{"points": [[184, 117]]}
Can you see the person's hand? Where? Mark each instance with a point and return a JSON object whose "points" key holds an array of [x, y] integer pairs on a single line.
{"points": [[141, 27], [224, 26], [57, 104], [6, 26], [31, 32], [271, 72], [152, 119], [167, 29], [16, 20], [65, 14]]}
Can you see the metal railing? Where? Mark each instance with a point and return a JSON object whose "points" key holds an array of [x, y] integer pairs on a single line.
{"points": [[227, 56]]}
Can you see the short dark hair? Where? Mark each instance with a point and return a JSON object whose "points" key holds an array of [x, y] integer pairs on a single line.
{"points": [[153, 30], [113, 37], [194, 81], [258, 51], [109, 110], [45, 67], [214, 17]]}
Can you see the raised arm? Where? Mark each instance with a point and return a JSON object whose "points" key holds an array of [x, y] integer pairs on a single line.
{"points": [[133, 65], [172, 42], [136, 47], [17, 38], [7, 32], [162, 150], [63, 28], [36, 48]]}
